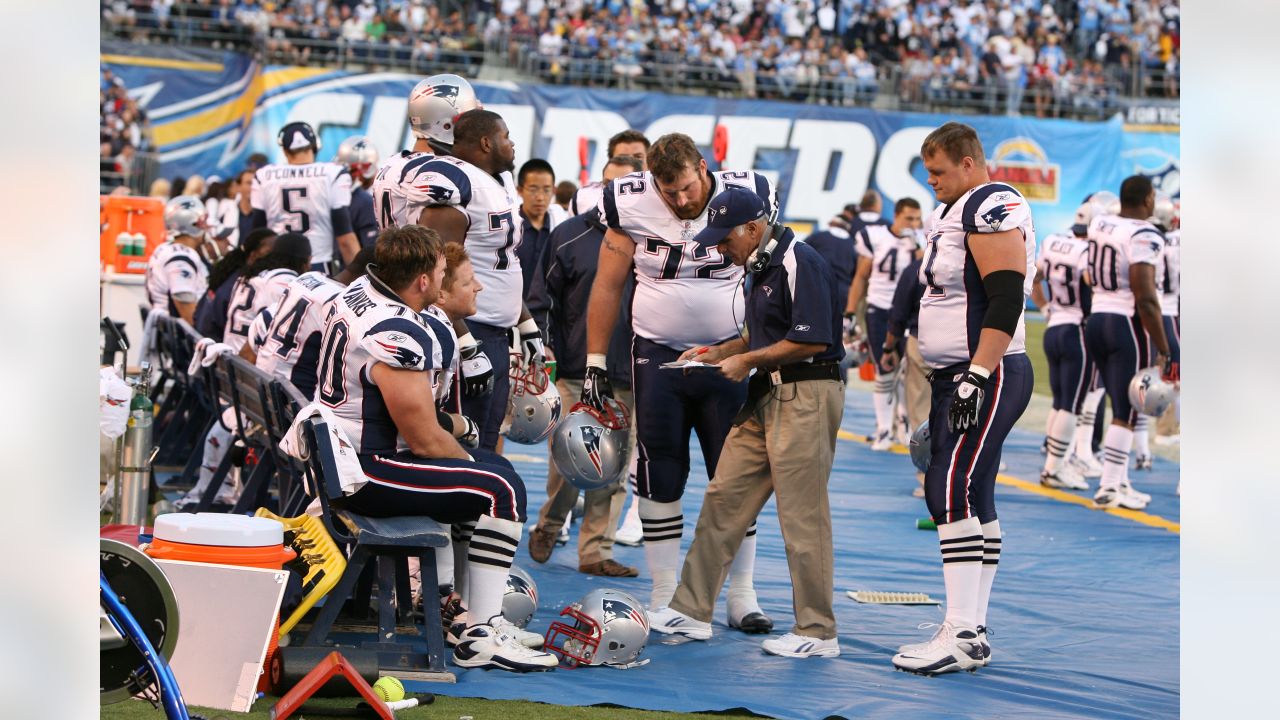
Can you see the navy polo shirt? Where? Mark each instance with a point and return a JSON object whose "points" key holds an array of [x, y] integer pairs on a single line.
{"points": [[794, 298]]}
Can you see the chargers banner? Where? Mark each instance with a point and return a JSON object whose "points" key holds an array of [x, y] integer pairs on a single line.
{"points": [[210, 113]]}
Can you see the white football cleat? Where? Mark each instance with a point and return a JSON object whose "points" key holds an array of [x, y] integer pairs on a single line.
{"points": [[953, 647], [1063, 479], [1143, 462], [484, 646], [983, 636], [673, 622], [1087, 465], [1118, 496], [882, 441], [799, 646], [1144, 497], [522, 636]]}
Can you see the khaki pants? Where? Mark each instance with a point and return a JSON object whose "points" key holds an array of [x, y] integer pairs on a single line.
{"points": [[785, 448], [603, 506], [917, 382]]}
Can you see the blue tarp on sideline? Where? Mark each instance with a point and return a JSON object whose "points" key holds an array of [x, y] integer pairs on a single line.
{"points": [[1085, 609]]}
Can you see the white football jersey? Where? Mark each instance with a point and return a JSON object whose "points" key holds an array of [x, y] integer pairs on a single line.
{"points": [[685, 295], [492, 208], [1063, 261], [586, 198], [1171, 284], [954, 301], [249, 298], [396, 201], [889, 255], [175, 272], [300, 198], [448, 396], [369, 324], [286, 335], [1115, 245]]}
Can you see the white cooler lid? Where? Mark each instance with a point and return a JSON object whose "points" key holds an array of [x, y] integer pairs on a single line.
{"points": [[218, 529]]}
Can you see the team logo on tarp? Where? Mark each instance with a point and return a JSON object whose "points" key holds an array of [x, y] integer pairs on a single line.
{"points": [[1022, 163]]}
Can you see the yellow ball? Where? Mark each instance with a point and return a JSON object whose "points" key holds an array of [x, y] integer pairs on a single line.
{"points": [[388, 689]]}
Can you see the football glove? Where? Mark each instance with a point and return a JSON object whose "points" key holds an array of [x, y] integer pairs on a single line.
{"points": [[596, 387], [530, 341], [477, 370], [966, 400], [469, 434]]}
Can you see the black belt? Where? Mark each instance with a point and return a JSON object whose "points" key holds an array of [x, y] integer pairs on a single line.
{"points": [[765, 380]]}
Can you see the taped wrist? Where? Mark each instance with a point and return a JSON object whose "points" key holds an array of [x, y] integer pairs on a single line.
{"points": [[528, 328], [596, 360], [1004, 300], [468, 347]]}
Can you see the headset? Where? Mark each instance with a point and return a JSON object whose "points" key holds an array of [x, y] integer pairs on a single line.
{"points": [[768, 242]]}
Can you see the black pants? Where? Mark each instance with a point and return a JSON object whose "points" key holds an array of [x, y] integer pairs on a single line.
{"points": [[1071, 368], [1120, 347]]}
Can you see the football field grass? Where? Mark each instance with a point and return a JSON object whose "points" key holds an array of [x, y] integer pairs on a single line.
{"points": [[1035, 352]]}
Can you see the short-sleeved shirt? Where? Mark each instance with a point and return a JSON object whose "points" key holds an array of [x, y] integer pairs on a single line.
{"points": [[250, 297], [889, 256], [286, 336], [494, 231], [1063, 261], [175, 272], [302, 199], [1171, 285], [954, 303], [397, 202], [686, 294], [835, 245], [794, 298], [1115, 245]]}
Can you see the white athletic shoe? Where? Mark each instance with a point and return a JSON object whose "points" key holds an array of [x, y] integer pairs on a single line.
{"points": [[631, 532], [984, 634], [799, 646], [1143, 462], [1087, 465], [484, 646], [1144, 497], [882, 441], [1063, 479], [1119, 496], [953, 647], [673, 622], [522, 636]]}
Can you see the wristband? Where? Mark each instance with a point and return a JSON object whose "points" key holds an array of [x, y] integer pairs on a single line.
{"points": [[466, 342], [596, 360], [980, 371], [529, 327]]}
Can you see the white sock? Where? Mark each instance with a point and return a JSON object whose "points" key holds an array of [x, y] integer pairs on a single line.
{"points": [[883, 400], [741, 599], [460, 542], [444, 565], [1084, 425], [990, 562], [1048, 422], [1059, 437], [663, 526], [489, 558], [1115, 455], [1142, 435], [216, 445], [962, 549]]}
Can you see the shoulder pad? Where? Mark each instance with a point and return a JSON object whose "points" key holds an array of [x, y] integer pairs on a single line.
{"points": [[399, 342], [994, 207]]}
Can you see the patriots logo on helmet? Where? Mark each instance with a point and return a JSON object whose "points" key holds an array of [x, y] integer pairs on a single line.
{"points": [[404, 355], [997, 214], [448, 92], [591, 441], [617, 608]]}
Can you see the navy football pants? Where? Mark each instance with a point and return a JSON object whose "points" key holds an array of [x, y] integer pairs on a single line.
{"points": [[488, 411], [448, 490], [1120, 349], [1070, 366], [877, 331]]}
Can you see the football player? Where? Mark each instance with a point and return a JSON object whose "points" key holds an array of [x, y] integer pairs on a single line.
{"points": [[471, 199], [883, 252], [685, 296], [176, 274], [628, 142], [977, 272], [1125, 331], [1169, 280], [1063, 265], [304, 196], [380, 362], [359, 156]]}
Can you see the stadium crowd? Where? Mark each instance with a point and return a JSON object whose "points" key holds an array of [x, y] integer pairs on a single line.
{"points": [[123, 132], [1049, 57]]}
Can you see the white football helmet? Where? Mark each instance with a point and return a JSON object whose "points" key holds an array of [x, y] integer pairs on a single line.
{"points": [[1105, 202], [1149, 393], [435, 103], [1162, 215], [186, 215], [534, 405], [590, 447], [609, 627], [857, 351], [521, 599], [1084, 215], [919, 447], [359, 155]]}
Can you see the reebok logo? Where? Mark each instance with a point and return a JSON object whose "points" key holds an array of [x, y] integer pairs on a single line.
{"points": [[802, 328]]}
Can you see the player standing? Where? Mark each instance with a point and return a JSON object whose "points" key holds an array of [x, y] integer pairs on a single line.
{"points": [[685, 296], [1169, 281], [359, 156], [977, 272], [307, 197], [1125, 332]]}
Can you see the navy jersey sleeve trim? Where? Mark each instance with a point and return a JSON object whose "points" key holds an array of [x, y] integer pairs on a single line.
{"points": [[341, 219], [765, 191], [414, 164], [611, 208], [974, 203], [182, 259], [456, 175], [410, 328], [865, 237]]}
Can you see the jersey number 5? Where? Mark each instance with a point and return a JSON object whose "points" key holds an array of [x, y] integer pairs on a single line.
{"points": [[295, 203]]}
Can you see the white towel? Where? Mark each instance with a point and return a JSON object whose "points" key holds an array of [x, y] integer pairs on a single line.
{"points": [[206, 354], [146, 350], [350, 475]]}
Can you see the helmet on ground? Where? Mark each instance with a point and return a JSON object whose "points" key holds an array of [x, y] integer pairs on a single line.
{"points": [[435, 103], [186, 215], [535, 404], [359, 155], [1149, 393], [298, 136], [521, 599], [1105, 202], [1162, 215], [605, 627], [920, 452], [590, 447]]}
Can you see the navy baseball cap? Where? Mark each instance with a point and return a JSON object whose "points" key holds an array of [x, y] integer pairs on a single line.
{"points": [[734, 206]]}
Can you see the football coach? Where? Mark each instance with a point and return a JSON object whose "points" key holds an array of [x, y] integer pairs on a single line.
{"points": [[784, 438]]}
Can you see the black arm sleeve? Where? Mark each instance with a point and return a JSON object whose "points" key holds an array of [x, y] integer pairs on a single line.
{"points": [[445, 421], [1004, 300]]}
